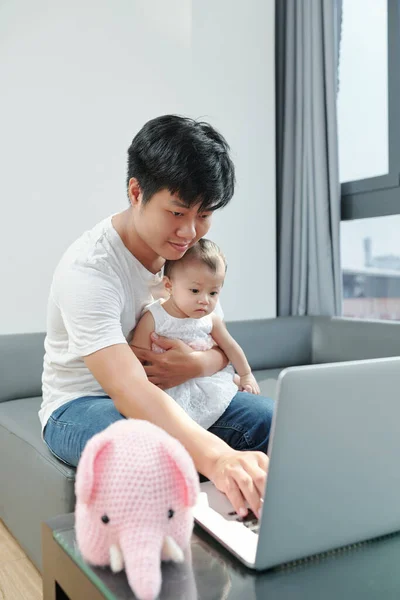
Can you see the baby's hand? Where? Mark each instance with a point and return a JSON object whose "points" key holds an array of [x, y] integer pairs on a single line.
{"points": [[249, 384]]}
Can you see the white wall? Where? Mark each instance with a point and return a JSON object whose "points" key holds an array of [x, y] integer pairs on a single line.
{"points": [[79, 79]]}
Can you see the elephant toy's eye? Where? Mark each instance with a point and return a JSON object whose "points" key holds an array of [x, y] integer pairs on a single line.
{"points": [[105, 519], [170, 513]]}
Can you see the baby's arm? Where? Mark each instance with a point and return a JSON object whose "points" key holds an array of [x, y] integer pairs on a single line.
{"points": [[234, 352], [141, 335]]}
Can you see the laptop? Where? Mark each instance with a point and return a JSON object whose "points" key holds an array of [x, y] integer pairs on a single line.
{"points": [[334, 471]]}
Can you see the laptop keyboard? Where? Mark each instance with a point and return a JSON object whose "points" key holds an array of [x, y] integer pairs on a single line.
{"points": [[250, 521]]}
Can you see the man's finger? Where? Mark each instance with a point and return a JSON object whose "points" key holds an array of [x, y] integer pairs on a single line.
{"points": [[252, 485], [259, 473], [236, 498], [163, 342], [152, 371], [149, 369], [263, 460], [142, 354], [252, 496], [154, 378]]}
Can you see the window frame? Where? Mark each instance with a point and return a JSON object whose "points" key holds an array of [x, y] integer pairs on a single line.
{"points": [[380, 196]]}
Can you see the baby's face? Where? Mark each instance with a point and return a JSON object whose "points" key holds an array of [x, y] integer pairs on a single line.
{"points": [[195, 288]]}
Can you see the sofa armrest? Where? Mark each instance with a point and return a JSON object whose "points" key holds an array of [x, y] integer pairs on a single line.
{"points": [[21, 365], [274, 343], [339, 339]]}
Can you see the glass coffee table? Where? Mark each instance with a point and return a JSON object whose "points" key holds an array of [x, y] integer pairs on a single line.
{"points": [[369, 571]]}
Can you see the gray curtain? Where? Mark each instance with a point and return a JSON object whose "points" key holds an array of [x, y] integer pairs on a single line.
{"points": [[308, 188]]}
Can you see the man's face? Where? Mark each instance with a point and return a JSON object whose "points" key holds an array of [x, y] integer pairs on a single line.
{"points": [[167, 226]]}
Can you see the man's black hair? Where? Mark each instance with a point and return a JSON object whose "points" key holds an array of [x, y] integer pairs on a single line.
{"points": [[187, 157]]}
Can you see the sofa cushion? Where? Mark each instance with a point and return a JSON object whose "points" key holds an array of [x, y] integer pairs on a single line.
{"points": [[267, 380], [21, 365], [274, 343], [20, 417], [38, 485], [339, 339]]}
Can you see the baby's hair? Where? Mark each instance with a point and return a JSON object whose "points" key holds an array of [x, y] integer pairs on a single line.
{"points": [[204, 251]]}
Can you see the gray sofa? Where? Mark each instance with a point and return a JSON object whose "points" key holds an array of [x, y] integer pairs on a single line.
{"points": [[36, 486]]}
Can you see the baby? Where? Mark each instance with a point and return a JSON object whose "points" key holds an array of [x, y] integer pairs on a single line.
{"points": [[194, 283]]}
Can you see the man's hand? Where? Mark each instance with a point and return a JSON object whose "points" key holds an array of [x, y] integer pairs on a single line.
{"points": [[173, 367], [241, 476]]}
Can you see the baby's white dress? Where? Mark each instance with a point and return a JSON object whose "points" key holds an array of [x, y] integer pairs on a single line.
{"points": [[204, 399]]}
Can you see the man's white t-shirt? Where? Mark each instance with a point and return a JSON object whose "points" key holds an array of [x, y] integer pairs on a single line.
{"points": [[98, 293]]}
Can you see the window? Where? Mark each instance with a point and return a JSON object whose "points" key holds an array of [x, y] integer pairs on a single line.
{"points": [[369, 157], [363, 91], [371, 267]]}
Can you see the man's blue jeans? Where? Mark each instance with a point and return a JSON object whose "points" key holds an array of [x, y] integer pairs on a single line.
{"points": [[245, 425]]}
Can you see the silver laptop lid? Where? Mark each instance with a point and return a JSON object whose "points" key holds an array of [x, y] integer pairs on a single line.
{"points": [[334, 474]]}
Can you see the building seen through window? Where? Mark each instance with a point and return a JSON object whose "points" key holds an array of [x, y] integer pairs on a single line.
{"points": [[371, 268]]}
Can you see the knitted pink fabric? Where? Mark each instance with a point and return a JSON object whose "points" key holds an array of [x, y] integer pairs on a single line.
{"points": [[135, 488]]}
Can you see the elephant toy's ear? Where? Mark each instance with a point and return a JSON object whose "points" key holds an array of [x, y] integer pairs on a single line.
{"points": [[183, 471], [89, 467]]}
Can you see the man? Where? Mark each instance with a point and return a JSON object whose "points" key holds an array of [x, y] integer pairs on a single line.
{"points": [[179, 173]]}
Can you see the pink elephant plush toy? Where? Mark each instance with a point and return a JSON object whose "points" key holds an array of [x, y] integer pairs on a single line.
{"points": [[135, 488]]}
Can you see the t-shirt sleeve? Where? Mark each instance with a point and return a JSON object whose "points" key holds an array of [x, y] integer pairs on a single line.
{"points": [[90, 303]]}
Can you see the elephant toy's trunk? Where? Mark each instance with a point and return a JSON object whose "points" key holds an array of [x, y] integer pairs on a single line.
{"points": [[143, 564]]}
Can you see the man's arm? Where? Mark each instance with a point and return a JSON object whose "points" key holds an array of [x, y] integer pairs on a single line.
{"points": [[240, 475], [178, 363], [123, 378]]}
